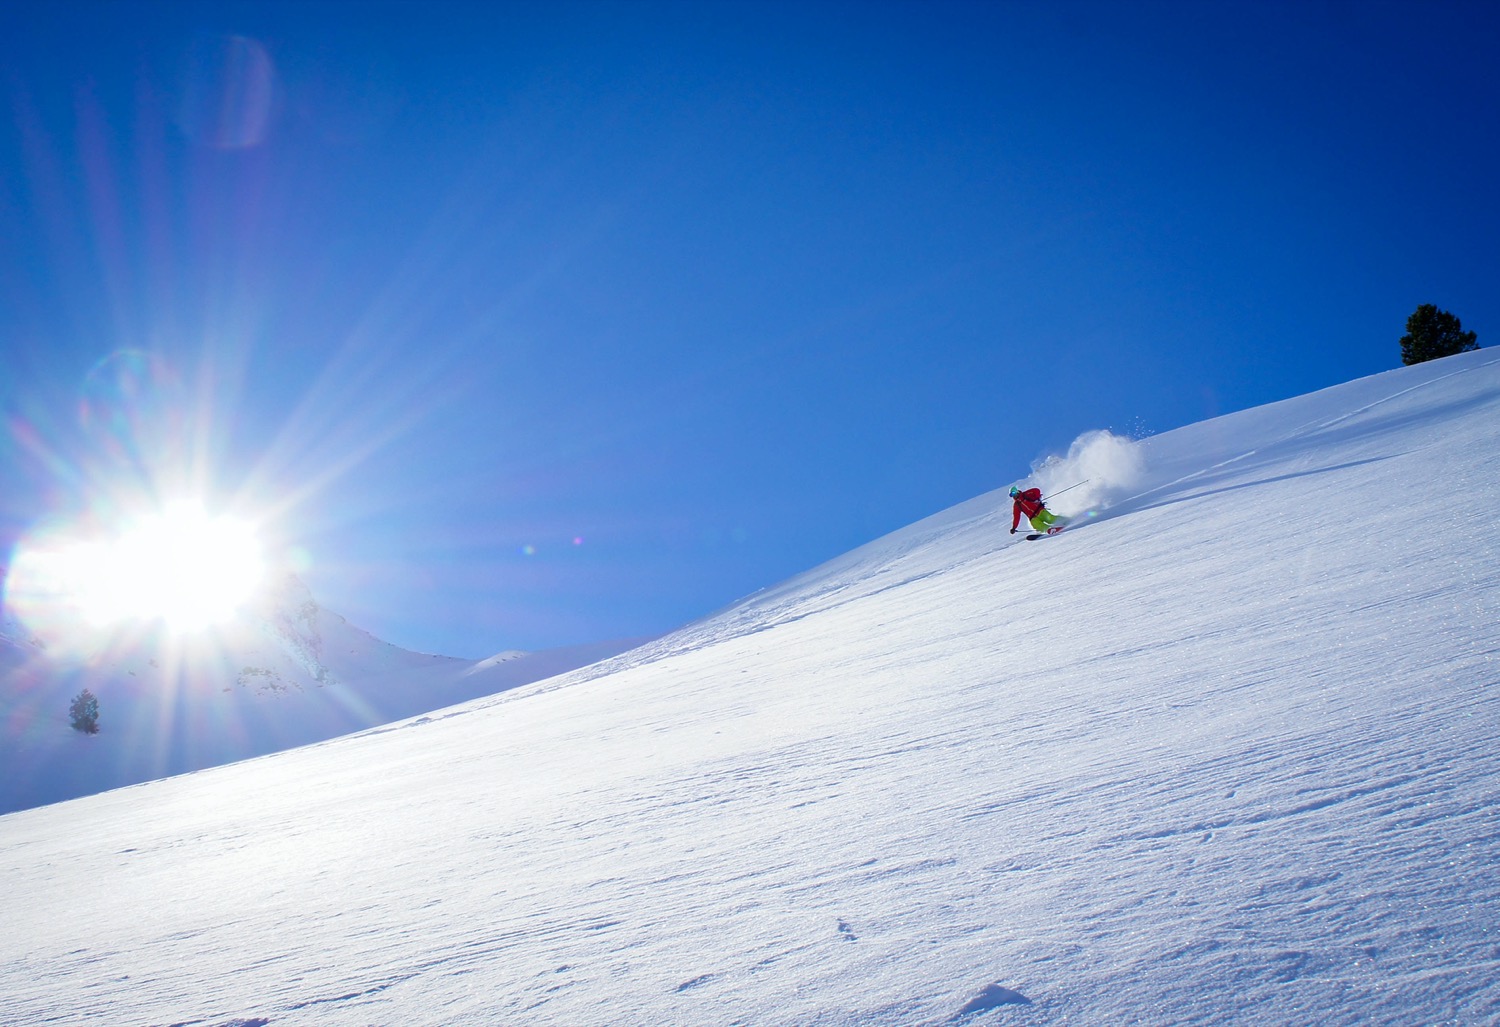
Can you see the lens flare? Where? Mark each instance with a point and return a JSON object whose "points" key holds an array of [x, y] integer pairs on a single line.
{"points": [[132, 403], [230, 95]]}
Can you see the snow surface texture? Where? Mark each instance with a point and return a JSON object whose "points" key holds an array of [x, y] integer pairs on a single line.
{"points": [[1224, 753], [285, 673]]}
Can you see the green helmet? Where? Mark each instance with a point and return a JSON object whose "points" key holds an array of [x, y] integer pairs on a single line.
{"points": [[1015, 490]]}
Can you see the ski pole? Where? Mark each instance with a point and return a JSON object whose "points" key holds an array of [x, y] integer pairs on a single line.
{"points": [[1070, 488]]}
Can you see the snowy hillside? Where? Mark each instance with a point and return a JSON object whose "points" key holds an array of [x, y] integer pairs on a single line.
{"points": [[285, 673], [1222, 753]]}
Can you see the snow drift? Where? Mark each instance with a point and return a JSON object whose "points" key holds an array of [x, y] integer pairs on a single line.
{"points": [[1241, 771]]}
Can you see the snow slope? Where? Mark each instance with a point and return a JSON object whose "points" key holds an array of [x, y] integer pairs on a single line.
{"points": [[285, 673], [1223, 753]]}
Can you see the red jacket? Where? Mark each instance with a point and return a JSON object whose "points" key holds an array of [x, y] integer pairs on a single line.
{"points": [[1028, 503]]}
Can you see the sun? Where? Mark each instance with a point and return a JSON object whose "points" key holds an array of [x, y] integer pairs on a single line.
{"points": [[177, 566]]}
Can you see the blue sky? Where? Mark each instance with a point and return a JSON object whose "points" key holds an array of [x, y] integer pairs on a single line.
{"points": [[526, 325]]}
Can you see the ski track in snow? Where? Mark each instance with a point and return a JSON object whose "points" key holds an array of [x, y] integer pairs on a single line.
{"points": [[1224, 753]]}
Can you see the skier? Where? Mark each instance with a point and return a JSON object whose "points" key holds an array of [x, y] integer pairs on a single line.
{"points": [[1030, 503]]}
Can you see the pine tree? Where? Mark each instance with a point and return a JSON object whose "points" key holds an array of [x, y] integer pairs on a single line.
{"points": [[1433, 333], [85, 712]]}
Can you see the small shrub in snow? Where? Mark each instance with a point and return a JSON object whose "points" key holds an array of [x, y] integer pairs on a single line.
{"points": [[85, 712]]}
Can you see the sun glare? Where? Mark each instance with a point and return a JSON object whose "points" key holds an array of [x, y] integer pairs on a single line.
{"points": [[178, 566]]}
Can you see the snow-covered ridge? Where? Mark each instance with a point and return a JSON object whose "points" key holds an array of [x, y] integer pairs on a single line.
{"points": [[286, 672], [1221, 753]]}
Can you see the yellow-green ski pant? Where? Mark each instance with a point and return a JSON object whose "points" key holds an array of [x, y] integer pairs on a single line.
{"points": [[1045, 519]]}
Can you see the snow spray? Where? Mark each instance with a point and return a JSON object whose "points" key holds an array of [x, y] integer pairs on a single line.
{"points": [[1070, 488], [1104, 466]]}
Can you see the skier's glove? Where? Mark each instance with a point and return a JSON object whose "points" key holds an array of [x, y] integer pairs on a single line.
{"points": [[1012, 531]]}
